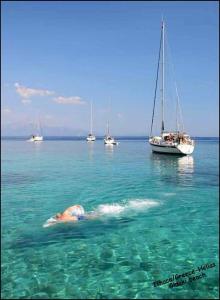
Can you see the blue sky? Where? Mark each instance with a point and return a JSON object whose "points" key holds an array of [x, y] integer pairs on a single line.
{"points": [[58, 56]]}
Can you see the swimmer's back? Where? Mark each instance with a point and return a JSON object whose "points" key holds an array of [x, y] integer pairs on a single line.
{"points": [[75, 210]]}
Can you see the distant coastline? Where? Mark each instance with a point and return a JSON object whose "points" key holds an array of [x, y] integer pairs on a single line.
{"points": [[83, 138]]}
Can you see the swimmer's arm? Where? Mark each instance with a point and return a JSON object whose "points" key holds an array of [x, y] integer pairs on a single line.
{"points": [[69, 219]]}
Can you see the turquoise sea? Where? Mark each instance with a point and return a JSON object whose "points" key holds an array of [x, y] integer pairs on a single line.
{"points": [[159, 217]]}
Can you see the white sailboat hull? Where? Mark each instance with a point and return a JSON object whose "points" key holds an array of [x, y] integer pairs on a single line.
{"points": [[91, 138], [36, 139], [177, 149], [110, 142]]}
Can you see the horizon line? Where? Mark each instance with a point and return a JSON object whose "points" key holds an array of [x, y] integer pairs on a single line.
{"points": [[97, 136]]}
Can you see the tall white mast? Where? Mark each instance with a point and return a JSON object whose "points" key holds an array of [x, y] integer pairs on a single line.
{"points": [[39, 129], [91, 117], [107, 127], [162, 125], [108, 119]]}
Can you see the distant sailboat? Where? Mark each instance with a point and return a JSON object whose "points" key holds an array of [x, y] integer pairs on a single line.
{"points": [[109, 140], [37, 137], [172, 142], [91, 137]]}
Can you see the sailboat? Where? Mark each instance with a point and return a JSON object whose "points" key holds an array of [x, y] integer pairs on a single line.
{"points": [[175, 141], [91, 137], [37, 137], [109, 140]]}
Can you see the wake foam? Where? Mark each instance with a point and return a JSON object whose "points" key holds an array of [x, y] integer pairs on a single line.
{"points": [[110, 208], [131, 205], [140, 204]]}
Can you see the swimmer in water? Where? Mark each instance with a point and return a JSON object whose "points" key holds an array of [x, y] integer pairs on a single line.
{"points": [[73, 214]]}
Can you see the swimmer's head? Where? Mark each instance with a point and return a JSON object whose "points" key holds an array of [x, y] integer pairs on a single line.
{"points": [[58, 216]]}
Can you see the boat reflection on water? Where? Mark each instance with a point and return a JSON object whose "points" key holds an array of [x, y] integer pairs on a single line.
{"points": [[38, 146], [109, 150], [185, 165], [90, 150], [173, 169]]}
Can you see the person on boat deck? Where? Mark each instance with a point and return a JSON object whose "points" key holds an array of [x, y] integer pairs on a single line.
{"points": [[73, 214], [169, 138], [181, 138]]}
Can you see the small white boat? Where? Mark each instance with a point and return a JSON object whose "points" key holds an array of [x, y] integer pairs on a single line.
{"points": [[172, 142], [108, 140], [37, 137], [91, 137]]}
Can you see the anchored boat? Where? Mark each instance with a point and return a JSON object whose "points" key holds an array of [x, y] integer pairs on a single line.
{"points": [[37, 137], [175, 141], [91, 137], [109, 140]]}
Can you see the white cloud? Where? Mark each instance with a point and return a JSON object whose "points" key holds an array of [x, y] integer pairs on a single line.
{"points": [[26, 93], [6, 110], [69, 100]]}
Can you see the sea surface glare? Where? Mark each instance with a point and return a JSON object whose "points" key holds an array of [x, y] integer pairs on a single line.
{"points": [[158, 217]]}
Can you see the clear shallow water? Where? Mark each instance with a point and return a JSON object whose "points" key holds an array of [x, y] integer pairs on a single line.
{"points": [[159, 217]]}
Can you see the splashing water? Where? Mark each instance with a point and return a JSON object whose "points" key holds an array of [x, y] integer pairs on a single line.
{"points": [[132, 205]]}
